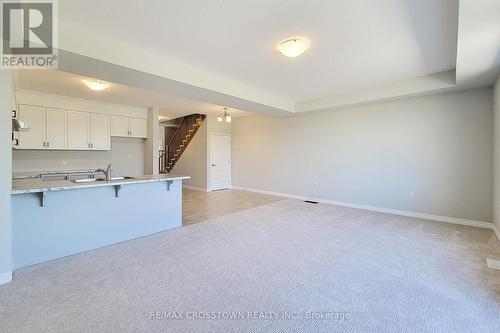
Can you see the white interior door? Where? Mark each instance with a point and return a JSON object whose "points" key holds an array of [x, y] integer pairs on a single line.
{"points": [[57, 129], [220, 161]]}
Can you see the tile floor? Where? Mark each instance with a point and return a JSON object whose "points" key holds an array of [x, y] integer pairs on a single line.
{"points": [[200, 206]]}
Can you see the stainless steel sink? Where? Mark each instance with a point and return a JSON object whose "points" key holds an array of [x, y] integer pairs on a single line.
{"points": [[123, 178], [92, 180], [86, 180]]}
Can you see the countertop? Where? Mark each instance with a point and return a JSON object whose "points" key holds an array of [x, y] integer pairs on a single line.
{"points": [[23, 186], [35, 174]]}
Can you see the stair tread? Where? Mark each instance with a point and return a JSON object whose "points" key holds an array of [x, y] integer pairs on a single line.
{"points": [[195, 120]]}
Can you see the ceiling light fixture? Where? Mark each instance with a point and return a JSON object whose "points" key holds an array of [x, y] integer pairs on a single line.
{"points": [[96, 85], [224, 117], [293, 47]]}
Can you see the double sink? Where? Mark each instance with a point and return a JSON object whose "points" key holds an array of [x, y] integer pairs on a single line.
{"points": [[92, 180], [85, 176]]}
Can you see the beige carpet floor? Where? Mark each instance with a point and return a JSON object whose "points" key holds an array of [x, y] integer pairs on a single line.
{"points": [[272, 268]]}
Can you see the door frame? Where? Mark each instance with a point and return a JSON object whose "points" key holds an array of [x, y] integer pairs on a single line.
{"points": [[209, 160]]}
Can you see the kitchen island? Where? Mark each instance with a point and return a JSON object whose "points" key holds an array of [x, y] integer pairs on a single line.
{"points": [[53, 219]]}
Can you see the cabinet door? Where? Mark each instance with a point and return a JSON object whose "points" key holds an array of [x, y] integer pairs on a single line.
{"points": [[100, 131], [119, 126], [34, 116], [57, 129], [78, 130], [138, 128]]}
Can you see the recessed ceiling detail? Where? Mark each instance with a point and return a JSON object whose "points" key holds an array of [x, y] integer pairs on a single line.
{"points": [[357, 44], [67, 84], [360, 48]]}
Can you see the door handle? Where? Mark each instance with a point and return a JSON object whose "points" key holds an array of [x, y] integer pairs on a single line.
{"points": [[213, 164]]}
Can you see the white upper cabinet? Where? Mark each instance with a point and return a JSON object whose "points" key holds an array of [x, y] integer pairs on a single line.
{"points": [[57, 129], [129, 127], [100, 132], [119, 126], [88, 131], [48, 128], [78, 130], [35, 138], [138, 128]]}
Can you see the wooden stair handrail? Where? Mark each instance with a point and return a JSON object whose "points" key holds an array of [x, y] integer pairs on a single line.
{"points": [[181, 139]]}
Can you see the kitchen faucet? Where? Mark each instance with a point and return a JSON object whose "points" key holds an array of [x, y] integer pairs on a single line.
{"points": [[106, 172]]}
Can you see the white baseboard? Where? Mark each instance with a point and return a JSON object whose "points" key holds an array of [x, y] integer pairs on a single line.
{"points": [[497, 232], [492, 263], [5, 277], [196, 188], [447, 219]]}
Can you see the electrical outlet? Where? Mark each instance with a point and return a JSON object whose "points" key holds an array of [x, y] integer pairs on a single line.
{"points": [[64, 163], [411, 195], [129, 156]]}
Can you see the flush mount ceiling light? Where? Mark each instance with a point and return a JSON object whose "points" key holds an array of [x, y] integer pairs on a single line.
{"points": [[95, 84], [224, 117], [293, 47]]}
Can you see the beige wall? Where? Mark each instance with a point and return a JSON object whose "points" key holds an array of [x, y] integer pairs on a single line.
{"points": [[126, 154], [437, 147], [193, 161], [496, 202]]}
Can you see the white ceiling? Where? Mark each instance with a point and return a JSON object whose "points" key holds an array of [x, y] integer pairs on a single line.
{"points": [[67, 84], [354, 44]]}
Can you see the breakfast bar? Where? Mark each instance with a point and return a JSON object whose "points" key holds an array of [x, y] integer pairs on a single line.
{"points": [[53, 219]]}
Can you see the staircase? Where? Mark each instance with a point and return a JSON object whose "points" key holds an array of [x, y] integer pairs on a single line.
{"points": [[181, 139]]}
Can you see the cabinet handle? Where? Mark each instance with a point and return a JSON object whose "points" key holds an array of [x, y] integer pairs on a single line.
{"points": [[44, 143]]}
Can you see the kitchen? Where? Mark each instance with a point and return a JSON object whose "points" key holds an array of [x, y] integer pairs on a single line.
{"points": [[81, 178]]}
